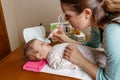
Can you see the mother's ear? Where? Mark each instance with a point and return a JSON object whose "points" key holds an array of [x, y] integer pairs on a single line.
{"points": [[87, 12]]}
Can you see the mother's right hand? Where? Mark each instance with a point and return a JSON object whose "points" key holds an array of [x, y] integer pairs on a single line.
{"points": [[60, 36]]}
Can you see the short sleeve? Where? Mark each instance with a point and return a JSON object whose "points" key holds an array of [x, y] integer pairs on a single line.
{"points": [[101, 74]]}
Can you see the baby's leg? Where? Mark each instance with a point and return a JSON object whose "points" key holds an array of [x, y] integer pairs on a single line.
{"points": [[87, 53], [95, 56], [100, 57]]}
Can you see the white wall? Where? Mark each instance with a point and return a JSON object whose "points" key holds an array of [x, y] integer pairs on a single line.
{"points": [[10, 23], [33, 12]]}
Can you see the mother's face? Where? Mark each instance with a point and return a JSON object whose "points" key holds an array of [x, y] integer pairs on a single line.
{"points": [[78, 21]]}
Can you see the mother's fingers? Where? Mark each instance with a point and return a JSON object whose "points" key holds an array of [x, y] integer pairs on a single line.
{"points": [[67, 52], [70, 47], [67, 56], [57, 38]]}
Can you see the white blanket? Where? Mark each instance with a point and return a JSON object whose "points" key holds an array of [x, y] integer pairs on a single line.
{"points": [[76, 73]]}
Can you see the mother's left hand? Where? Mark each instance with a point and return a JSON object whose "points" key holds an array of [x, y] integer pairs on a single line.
{"points": [[73, 54]]}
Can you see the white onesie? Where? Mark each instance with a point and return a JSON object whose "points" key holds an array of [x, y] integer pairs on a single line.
{"points": [[55, 57]]}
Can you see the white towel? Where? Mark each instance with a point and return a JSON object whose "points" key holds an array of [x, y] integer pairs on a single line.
{"points": [[36, 32], [76, 73]]}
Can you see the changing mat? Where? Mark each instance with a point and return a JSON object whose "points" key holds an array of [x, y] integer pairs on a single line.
{"points": [[42, 66], [36, 32], [76, 73]]}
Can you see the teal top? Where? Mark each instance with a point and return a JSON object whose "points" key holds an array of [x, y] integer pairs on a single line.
{"points": [[111, 42]]}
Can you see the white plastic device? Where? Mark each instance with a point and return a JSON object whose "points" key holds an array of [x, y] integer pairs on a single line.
{"points": [[60, 19]]}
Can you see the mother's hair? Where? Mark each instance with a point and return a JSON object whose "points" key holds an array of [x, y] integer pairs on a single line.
{"points": [[104, 11]]}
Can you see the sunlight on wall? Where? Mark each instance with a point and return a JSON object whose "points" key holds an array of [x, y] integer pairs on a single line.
{"points": [[9, 16]]}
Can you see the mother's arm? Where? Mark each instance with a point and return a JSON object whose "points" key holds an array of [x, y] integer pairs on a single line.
{"points": [[112, 49]]}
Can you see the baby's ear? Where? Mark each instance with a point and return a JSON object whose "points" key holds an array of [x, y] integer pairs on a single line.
{"points": [[38, 56]]}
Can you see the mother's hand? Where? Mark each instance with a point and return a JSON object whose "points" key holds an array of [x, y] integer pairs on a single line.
{"points": [[62, 37], [73, 54]]}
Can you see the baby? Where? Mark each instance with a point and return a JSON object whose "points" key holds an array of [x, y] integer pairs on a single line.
{"points": [[36, 50]]}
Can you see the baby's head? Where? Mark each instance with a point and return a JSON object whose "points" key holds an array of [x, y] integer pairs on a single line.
{"points": [[36, 50]]}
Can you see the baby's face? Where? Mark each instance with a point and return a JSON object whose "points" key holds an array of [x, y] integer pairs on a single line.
{"points": [[43, 49]]}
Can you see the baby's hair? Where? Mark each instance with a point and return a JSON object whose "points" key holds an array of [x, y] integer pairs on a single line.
{"points": [[27, 47]]}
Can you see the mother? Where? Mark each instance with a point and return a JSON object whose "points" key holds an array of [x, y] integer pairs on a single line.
{"points": [[103, 16]]}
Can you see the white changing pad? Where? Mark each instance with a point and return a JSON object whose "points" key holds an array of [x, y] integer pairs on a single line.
{"points": [[36, 32], [76, 73]]}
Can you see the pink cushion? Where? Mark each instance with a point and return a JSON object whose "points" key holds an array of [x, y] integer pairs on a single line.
{"points": [[34, 66]]}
